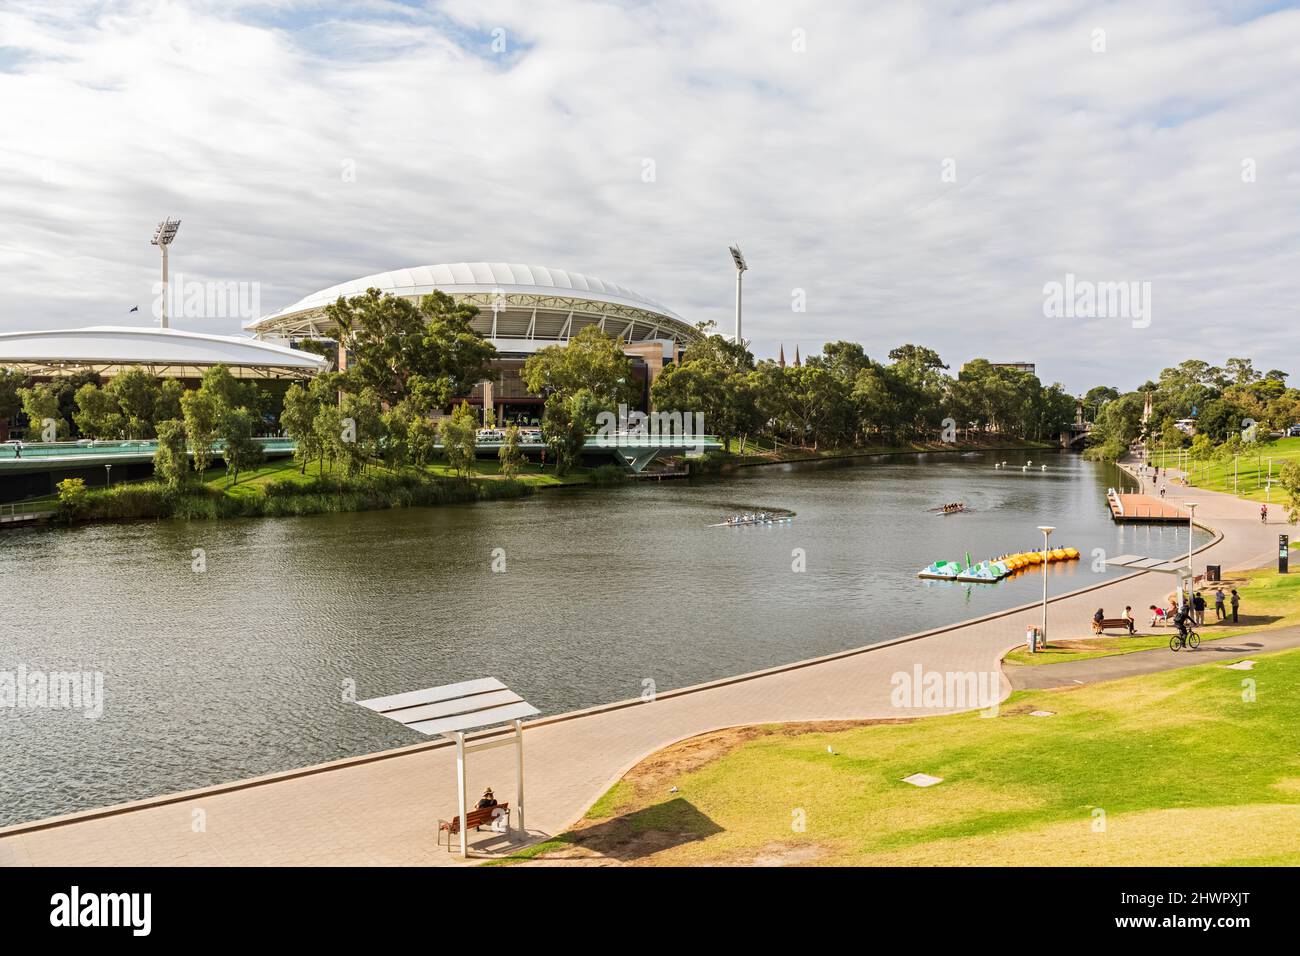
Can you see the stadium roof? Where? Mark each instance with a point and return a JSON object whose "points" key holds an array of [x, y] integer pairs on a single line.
{"points": [[111, 349], [505, 285]]}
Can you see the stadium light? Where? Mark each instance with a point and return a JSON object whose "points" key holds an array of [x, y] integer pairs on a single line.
{"points": [[739, 259], [163, 237]]}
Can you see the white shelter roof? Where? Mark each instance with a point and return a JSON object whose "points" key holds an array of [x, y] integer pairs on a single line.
{"points": [[108, 348], [469, 705]]}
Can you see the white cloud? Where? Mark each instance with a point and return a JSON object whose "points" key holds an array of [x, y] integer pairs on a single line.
{"points": [[825, 165]]}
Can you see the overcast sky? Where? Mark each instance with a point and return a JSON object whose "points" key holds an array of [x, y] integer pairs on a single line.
{"points": [[920, 172]]}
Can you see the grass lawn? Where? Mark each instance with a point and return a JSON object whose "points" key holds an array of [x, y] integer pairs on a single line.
{"points": [[286, 469], [1174, 769], [1268, 600], [1251, 470]]}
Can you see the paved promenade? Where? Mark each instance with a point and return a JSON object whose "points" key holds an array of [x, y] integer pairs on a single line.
{"points": [[383, 809]]}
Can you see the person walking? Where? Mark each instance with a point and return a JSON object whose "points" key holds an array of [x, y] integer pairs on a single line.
{"points": [[1236, 600], [1198, 605], [1220, 612]]}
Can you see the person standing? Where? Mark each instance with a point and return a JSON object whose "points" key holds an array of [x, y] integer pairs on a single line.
{"points": [[1236, 600], [1198, 605], [1220, 612]]}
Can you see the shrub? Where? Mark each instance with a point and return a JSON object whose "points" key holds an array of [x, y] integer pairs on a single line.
{"points": [[609, 475], [74, 498]]}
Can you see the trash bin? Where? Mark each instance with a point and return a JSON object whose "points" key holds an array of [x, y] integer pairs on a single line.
{"points": [[1212, 572], [1031, 639]]}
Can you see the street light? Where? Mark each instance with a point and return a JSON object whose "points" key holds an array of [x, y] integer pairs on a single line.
{"points": [[108, 476], [1191, 571], [163, 237], [739, 259], [1047, 530]]}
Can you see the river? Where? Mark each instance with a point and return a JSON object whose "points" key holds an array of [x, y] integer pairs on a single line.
{"points": [[228, 649]]}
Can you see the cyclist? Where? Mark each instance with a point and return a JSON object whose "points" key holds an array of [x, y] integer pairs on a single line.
{"points": [[1181, 622]]}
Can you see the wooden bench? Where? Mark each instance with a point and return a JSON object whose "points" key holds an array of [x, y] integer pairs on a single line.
{"points": [[488, 816], [1111, 622]]}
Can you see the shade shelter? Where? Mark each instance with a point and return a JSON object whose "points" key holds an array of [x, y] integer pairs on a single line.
{"points": [[454, 709]]}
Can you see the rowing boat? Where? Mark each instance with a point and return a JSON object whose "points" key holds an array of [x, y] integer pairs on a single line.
{"points": [[782, 519]]}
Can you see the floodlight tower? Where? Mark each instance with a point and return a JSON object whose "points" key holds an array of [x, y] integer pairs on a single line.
{"points": [[162, 238], [740, 272]]}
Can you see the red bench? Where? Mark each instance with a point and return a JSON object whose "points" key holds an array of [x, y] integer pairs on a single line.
{"points": [[488, 816]]}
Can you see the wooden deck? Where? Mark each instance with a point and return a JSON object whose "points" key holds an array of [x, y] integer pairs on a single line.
{"points": [[1126, 507]]}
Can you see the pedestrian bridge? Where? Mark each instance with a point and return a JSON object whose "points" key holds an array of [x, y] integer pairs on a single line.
{"points": [[634, 452]]}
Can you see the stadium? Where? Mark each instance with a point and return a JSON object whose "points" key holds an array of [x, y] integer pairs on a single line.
{"points": [[522, 308]]}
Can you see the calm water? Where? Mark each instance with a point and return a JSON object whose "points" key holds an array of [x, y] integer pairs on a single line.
{"points": [[240, 670]]}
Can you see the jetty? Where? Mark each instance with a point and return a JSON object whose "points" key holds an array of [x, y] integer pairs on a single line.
{"points": [[1142, 508]]}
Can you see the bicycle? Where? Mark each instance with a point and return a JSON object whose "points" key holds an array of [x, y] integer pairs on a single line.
{"points": [[1191, 641]]}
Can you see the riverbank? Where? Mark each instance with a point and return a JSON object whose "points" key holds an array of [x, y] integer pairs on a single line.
{"points": [[392, 799], [1247, 475], [280, 489], [1092, 776], [755, 455]]}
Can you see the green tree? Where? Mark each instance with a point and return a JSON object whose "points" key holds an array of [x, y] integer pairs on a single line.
{"points": [[44, 419], [11, 380], [566, 422], [203, 413], [98, 413], [401, 350], [298, 419], [167, 406], [459, 434], [510, 454], [171, 460], [1289, 479], [363, 430], [136, 393], [421, 441], [592, 362], [328, 435], [238, 449], [74, 498]]}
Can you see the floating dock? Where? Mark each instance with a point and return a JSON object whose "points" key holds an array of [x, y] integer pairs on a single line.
{"points": [[1143, 508]]}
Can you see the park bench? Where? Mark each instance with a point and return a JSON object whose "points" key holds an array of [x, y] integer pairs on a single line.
{"points": [[1112, 622], [488, 816]]}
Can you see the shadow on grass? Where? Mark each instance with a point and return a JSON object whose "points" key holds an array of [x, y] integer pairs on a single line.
{"points": [[627, 838]]}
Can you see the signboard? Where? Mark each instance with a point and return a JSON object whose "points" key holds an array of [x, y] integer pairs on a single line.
{"points": [[1283, 550]]}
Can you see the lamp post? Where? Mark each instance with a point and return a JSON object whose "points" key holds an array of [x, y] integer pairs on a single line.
{"points": [[1047, 530], [108, 476], [1191, 571], [162, 238], [739, 259]]}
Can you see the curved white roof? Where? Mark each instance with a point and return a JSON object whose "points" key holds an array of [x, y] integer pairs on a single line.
{"points": [[109, 347], [482, 278]]}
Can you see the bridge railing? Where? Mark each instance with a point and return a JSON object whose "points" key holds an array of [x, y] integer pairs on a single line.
{"points": [[141, 446]]}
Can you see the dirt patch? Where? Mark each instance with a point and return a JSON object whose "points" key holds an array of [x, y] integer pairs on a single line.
{"points": [[657, 773], [785, 854], [625, 839]]}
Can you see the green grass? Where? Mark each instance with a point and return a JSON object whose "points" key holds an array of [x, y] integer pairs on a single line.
{"points": [[1184, 769], [1268, 600], [1251, 470]]}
